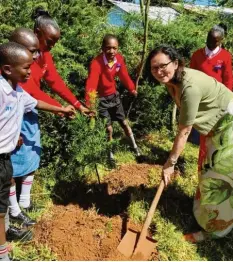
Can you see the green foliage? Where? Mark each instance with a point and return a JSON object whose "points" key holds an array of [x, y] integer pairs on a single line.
{"points": [[225, 3], [33, 252], [72, 145], [152, 109], [72, 148]]}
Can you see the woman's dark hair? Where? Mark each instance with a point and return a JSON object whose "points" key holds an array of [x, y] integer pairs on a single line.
{"points": [[43, 19], [107, 38], [173, 55]]}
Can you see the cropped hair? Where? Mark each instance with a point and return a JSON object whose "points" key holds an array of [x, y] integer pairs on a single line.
{"points": [[108, 37], [20, 35], [10, 53], [220, 29]]}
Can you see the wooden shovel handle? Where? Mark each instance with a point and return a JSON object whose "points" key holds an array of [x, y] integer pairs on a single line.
{"points": [[150, 214]]}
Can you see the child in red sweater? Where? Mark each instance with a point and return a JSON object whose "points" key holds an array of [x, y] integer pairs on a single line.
{"points": [[26, 159], [214, 60], [104, 68]]}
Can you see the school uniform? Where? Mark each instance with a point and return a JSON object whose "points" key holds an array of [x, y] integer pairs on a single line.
{"points": [[215, 63], [26, 159], [13, 105], [101, 80]]}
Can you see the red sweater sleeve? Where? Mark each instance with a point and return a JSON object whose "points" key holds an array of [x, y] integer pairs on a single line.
{"points": [[125, 78], [56, 83], [193, 62], [227, 73], [92, 83], [31, 88]]}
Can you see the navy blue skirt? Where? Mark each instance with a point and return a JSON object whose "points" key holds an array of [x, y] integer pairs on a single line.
{"points": [[26, 159]]}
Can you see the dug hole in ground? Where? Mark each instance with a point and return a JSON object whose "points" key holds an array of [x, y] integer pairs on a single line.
{"points": [[90, 221]]}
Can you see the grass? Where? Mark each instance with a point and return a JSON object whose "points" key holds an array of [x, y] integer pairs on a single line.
{"points": [[33, 251], [172, 218]]}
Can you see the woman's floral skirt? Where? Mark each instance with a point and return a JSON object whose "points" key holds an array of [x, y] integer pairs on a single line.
{"points": [[213, 203]]}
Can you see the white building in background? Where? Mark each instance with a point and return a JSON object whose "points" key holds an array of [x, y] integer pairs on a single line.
{"points": [[165, 14]]}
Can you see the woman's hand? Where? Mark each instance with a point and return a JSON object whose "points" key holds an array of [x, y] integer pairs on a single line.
{"points": [[167, 172], [178, 146]]}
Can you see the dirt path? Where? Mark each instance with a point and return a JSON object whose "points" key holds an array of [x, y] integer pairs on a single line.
{"points": [[79, 231]]}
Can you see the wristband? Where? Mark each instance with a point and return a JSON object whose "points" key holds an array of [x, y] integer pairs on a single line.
{"points": [[172, 161], [77, 104]]}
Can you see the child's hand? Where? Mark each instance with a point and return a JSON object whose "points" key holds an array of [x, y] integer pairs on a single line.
{"points": [[87, 112], [20, 142], [69, 111], [134, 93]]}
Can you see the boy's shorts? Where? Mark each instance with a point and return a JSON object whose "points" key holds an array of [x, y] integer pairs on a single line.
{"points": [[6, 172], [110, 108]]}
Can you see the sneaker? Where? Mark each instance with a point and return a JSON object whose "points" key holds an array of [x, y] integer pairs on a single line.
{"points": [[22, 235], [23, 219]]}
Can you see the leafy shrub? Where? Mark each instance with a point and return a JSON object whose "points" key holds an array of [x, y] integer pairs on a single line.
{"points": [[152, 109], [73, 145]]}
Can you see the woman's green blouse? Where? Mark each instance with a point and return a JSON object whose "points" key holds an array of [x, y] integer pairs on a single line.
{"points": [[203, 100]]}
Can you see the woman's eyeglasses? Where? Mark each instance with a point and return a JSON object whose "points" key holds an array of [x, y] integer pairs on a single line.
{"points": [[160, 67]]}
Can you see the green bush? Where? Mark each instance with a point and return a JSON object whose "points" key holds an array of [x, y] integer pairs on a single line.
{"points": [[71, 145]]}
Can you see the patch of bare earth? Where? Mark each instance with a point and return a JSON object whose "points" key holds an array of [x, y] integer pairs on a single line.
{"points": [[74, 233]]}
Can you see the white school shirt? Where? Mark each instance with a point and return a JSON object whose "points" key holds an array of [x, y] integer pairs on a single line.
{"points": [[13, 105], [211, 53], [109, 64]]}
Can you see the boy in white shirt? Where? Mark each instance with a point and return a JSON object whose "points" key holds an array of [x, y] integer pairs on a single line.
{"points": [[15, 62]]}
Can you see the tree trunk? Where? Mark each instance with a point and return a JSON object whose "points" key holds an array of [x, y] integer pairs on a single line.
{"points": [[146, 22], [174, 125]]}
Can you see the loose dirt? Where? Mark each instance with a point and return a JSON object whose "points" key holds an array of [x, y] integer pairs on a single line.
{"points": [[79, 231]]}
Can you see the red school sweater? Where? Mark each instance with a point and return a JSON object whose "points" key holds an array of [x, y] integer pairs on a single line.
{"points": [[101, 78], [44, 68], [218, 66]]}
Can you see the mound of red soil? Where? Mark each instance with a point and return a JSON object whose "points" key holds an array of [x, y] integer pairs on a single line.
{"points": [[127, 176], [77, 234]]}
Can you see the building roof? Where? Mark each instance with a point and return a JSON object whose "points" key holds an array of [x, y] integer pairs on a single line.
{"points": [[166, 14], [199, 8]]}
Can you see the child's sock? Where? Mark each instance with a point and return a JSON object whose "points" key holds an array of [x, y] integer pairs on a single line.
{"points": [[14, 206], [4, 252], [131, 136], [24, 199], [111, 155], [7, 221]]}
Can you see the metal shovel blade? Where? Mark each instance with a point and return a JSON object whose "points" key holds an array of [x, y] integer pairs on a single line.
{"points": [[128, 244]]}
